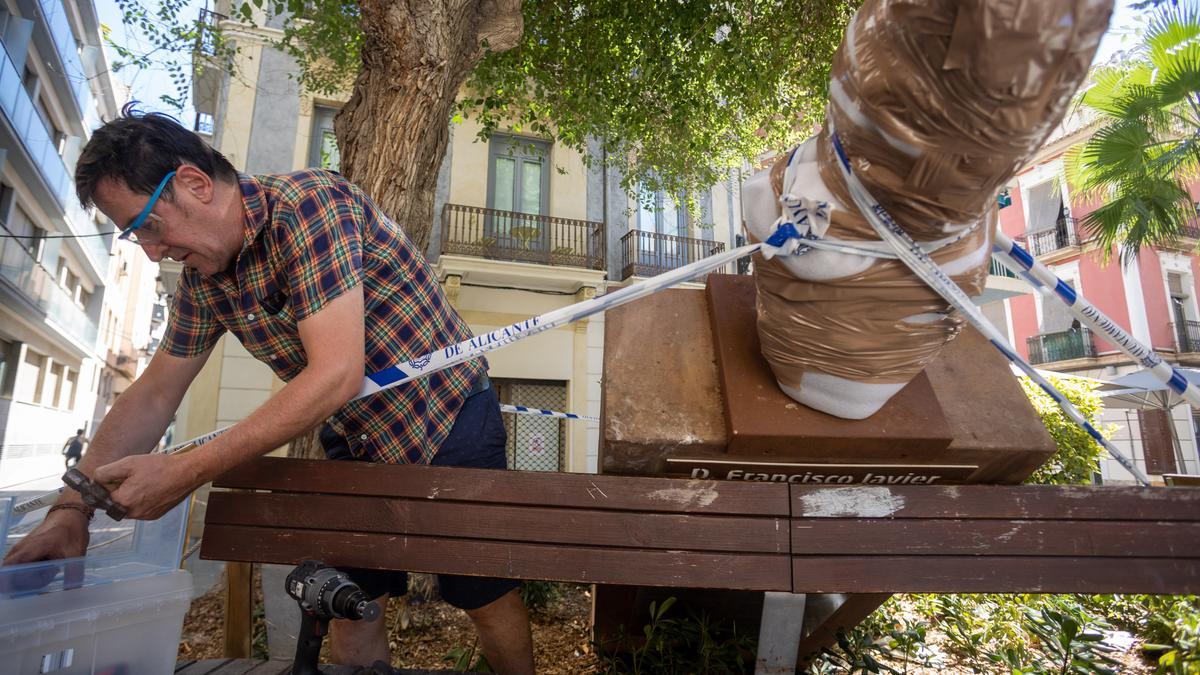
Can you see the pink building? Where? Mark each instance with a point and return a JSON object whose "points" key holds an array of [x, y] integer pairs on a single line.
{"points": [[1154, 298]]}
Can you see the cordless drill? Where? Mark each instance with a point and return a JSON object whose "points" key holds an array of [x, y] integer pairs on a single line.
{"points": [[323, 593]]}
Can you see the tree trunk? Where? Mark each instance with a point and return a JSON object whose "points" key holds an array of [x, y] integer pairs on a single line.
{"points": [[392, 134], [416, 55]]}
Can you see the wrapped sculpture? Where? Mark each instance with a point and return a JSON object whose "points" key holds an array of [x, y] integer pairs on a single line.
{"points": [[937, 103]]}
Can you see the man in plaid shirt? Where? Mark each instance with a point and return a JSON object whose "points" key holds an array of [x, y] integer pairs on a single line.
{"points": [[319, 285]]}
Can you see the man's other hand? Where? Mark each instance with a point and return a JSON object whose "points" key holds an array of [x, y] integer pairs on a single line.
{"points": [[148, 485]]}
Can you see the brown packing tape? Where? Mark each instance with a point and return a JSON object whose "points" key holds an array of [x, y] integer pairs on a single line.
{"points": [[941, 102]]}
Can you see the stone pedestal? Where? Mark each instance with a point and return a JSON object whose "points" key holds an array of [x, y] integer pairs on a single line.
{"points": [[684, 396]]}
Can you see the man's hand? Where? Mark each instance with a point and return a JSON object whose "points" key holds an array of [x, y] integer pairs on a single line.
{"points": [[63, 534], [148, 485]]}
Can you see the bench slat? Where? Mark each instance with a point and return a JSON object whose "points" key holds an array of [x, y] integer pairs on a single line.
{"points": [[1047, 502], [1016, 574], [436, 483], [936, 537], [528, 524], [640, 567]]}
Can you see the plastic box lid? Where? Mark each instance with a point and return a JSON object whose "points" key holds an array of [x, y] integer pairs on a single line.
{"points": [[118, 550]]}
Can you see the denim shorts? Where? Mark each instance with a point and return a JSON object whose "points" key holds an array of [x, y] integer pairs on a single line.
{"points": [[477, 440]]}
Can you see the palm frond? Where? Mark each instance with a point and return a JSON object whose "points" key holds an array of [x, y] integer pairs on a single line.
{"points": [[1171, 30]]}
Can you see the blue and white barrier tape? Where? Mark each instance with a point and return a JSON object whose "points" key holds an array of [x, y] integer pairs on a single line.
{"points": [[1046, 282], [466, 350], [520, 409], [928, 271]]}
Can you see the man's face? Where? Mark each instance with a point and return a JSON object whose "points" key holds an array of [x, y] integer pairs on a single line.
{"points": [[182, 226]]}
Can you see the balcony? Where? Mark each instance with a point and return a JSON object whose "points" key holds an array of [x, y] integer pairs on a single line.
{"points": [[207, 71], [1063, 346], [31, 132], [1187, 337], [522, 237], [1044, 242], [207, 35], [75, 78], [995, 269], [648, 254], [19, 270]]}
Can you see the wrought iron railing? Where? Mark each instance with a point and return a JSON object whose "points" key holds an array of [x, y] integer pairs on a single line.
{"points": [[995, 269], [206, 37], [1187, 336], [1062, 346], [646, 254], [522, 237], [1064, 234]]}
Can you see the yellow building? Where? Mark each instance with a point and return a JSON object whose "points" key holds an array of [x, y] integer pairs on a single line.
{"points": [[522, 226]]}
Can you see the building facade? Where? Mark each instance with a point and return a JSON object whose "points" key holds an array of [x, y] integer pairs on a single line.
{"points": [[1153, 298], [56, 331]]}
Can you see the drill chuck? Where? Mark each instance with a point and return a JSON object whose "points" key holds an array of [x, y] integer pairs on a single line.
{"points": [[326, 593]]}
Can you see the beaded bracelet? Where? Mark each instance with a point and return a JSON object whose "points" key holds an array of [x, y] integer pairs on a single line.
{"points": [[85, 510]]}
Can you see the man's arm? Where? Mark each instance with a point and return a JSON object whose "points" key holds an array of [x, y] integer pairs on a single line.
{"points": [[333, 340], [134, 425]]}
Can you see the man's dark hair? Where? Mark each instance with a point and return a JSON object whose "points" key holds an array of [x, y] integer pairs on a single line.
{"points": [[78, 431], [139, 149]]}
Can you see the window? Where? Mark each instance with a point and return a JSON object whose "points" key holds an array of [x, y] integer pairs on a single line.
{"points": [[1057, 317], [70, 389], [29, 235], [30, 82], [661, 214], [1045, 206], [31, 378], [323, 148], [518, 182], [10, 353], [55, 382], [534, 443]]}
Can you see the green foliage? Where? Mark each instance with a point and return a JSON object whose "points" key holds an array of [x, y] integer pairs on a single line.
{"points": [[470, 659], [678, 92], [1147, 145], [540, 596], [1069, 637], [1078, 454], [1034, 634], [695, 644]]}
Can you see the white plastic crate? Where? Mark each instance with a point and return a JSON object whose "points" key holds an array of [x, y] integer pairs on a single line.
{"points": [[116, 611], [126, 627]]}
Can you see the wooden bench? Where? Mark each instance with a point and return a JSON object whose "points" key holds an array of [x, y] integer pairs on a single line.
{"points": [[710, 534]]}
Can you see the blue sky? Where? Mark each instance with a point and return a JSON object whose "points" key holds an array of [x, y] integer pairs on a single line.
{"points": [[148, 86]]}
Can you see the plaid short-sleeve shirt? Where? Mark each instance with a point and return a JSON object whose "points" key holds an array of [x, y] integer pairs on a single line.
{"points": [[311, 236]]}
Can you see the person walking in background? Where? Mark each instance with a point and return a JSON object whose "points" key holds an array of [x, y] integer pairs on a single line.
{"points": [[73, 448]]}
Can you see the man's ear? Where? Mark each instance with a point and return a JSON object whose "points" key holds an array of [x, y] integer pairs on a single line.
{"points": [[195, 182]]}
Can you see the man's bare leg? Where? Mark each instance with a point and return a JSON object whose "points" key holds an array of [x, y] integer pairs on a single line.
{"points": [[503, 628], [360, 643]]}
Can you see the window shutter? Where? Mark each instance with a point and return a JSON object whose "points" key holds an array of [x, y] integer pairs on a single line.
{"points": [[1157, 446]]}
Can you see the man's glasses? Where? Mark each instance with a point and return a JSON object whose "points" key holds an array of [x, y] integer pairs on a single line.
{"points": [[151, 233]]}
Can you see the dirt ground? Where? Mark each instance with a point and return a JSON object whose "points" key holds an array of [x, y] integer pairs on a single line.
{"points": [[434, 629]]}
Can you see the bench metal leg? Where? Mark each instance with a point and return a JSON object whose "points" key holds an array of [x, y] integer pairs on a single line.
{"points": [[779, 633]]}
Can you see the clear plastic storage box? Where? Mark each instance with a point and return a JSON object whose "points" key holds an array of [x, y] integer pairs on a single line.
{"points": [[116, 611]]}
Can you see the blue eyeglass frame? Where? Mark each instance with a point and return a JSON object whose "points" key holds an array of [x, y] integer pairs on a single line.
{"points": [[141, 218]]}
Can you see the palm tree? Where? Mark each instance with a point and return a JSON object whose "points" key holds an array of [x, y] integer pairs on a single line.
{"points": [[1147, 145]]}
